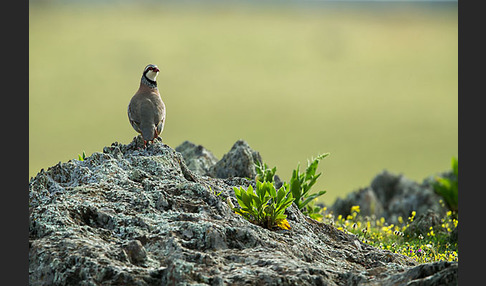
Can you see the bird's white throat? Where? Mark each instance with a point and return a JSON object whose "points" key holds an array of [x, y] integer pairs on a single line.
{"points": [[152, 75]]}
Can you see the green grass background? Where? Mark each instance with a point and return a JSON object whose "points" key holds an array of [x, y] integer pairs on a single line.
{"points": [[376, 85]]}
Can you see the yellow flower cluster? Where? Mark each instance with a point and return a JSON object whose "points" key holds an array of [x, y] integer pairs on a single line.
{"points": [[435, 246]]}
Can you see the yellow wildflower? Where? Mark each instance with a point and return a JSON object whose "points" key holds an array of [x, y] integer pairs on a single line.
{"points": [[282, 223], [412, 216], [400, 219]]}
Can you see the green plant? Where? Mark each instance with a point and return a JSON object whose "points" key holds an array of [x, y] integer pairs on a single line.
{"points": [[264, 174], [82, 158], [314, 212], [264, 205], [435, 245], [448, 187], [301, 184]]}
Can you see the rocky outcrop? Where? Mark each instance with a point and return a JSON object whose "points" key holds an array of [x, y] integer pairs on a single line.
{"points": [[424, 223], [238, 162], [390, 196], [135, 216], [197, 158]]}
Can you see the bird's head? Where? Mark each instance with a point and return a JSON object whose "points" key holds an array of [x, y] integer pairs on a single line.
{"points": [[151, 72]]}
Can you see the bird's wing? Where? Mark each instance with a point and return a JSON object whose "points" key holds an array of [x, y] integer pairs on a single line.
{"points": [[134, 121]]}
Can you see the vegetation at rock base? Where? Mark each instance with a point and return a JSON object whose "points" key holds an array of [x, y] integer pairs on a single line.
{"points": [[434, 246]]}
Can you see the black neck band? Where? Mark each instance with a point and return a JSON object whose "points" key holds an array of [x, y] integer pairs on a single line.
{"points": [[148, 81]]}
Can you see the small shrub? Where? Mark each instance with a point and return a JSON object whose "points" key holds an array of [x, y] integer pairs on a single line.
{"points": [[300, 185], [264, 205]]}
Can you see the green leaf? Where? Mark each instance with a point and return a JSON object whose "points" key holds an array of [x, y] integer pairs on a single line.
{"points": [[281, 216], [264, 174], [455, 166], [444, 182], [312, 181], [286, 203], [315, 216], [315, 195], [83, 157], [295, 185], [271, 174], [238, 195], [244, 214], [320, 193], [272, 191], [262, 190], [280, 194], [322, 156], [311, 170], [247, 200], [269, 209], [312, 167], [237, 191], [258, 202], [283, 207]]}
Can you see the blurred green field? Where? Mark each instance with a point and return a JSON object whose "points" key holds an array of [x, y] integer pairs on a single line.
{"points": [[376, 87]]}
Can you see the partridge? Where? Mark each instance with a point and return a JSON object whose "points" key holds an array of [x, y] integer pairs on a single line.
{"points": [[146, 110]]}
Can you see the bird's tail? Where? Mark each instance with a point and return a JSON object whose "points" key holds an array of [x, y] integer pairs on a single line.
{"points": [[148, 132]]}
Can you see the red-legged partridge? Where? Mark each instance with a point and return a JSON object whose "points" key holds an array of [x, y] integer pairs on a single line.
{"points": [[146, 110]]}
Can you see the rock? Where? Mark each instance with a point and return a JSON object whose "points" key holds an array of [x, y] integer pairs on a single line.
{"points": [[131, 216], [384, 185], [422, 224], [391, 196], [238, 162], [136, 252], [198, 159], [437, 273], [411, 196], [365, 198]]}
